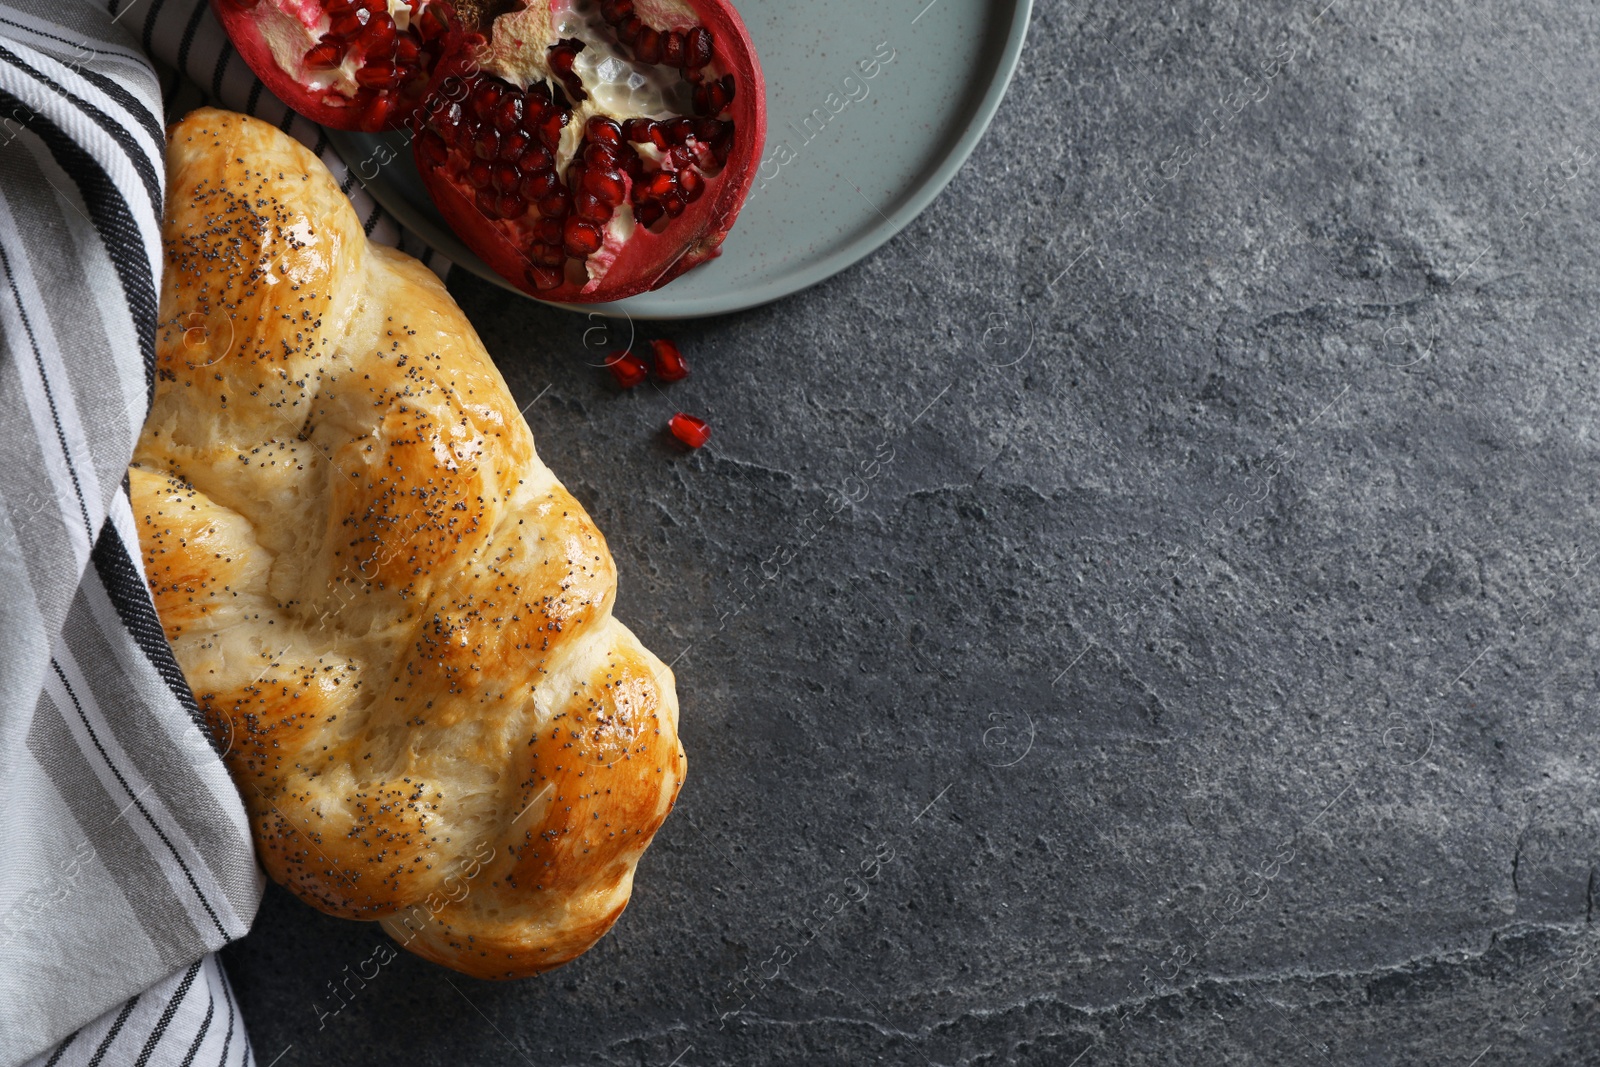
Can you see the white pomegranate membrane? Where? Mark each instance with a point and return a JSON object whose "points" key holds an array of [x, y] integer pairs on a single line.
{"points": [[580, 122]]}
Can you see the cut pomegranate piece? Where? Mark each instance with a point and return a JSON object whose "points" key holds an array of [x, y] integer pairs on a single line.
{"points": [[670, 364], [690, 430], [587, 150], [349, 64], [628, 369], [634, 128]]}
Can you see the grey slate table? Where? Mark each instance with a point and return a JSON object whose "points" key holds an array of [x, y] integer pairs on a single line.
{"points": [[1144, 614]]}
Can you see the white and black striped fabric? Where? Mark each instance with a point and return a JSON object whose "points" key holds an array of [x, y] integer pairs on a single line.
{"points": [[126, 858], [189, 1017]]}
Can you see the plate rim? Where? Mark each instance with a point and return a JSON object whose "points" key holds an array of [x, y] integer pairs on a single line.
{"points": [[927, 188]]}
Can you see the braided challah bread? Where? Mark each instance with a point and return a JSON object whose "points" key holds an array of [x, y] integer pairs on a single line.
{"points": [[389, 609]]}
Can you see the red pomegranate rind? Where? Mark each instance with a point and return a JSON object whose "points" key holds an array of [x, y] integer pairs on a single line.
{"points": [[617, 201], [346, 64]]}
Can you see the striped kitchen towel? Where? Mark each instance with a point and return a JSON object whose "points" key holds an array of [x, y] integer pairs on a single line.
{"points": [[126, 859]]}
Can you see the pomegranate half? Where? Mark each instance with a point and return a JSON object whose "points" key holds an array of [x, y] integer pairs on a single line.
{"points": [[347, 64], [587, 150]]}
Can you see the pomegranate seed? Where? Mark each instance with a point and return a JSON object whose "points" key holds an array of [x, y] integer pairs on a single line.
{"points": [[629, 29], [486, 145], [555, 206], [432, 149], [675, 204], [545, 279], [486, 203], [511, 206], [599, 157], [681, 156], [712, 99], [508, 114], [327, 52], [670, 364], [549, 231], [647, 49], [680, 130], [672, 48], [449, 124], [548, 255], [727, 84], [480, 174], [539, 185], [659, 185], [698, 48], [484, 99], [692, 185], [603, 131], [614, 11], [628, 369], [690, 430], [582, 238], [379, 35], [607, 185], [649, 214], [562, 53], [638, 130], [335, 8], [555, 120], [707, 130], [377, 76], [533, 159], [406, 51], [586, 205], [377, 110], [505, 177], [514, 147], [348, 25]]}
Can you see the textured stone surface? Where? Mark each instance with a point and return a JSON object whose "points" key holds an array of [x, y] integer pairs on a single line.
{"points": [[1201, 665]]}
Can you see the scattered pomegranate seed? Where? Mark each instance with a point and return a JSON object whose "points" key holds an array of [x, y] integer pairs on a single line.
{"points": [[670, 364], [690, 430], [628, 369]]}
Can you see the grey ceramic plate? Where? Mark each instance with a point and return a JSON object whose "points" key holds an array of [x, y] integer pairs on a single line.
{"points": [[849, 161]]}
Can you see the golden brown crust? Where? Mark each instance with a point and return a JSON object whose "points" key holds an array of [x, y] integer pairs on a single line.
{"points": [[389, 606]]}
